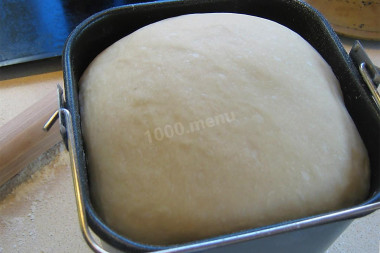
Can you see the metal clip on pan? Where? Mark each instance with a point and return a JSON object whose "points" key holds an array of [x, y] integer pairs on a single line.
{"points": [[369, 72], [67, 133]]}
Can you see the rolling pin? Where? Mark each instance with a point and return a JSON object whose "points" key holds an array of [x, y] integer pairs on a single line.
{"points": [[23, 139]]}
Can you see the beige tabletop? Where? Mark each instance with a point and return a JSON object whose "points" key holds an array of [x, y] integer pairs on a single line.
{"points": [[39, 215]]}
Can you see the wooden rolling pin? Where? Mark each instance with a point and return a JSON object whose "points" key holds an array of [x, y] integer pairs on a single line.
{"points": [[355, 18], [23, 139]]}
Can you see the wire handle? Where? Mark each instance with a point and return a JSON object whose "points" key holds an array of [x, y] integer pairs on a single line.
{"points": [[369, 72], [67, 132], [77, 186]]}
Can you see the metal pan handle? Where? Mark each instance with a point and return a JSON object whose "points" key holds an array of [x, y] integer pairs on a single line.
{"points": [[77, 186], [369, 72], [66, 129]]}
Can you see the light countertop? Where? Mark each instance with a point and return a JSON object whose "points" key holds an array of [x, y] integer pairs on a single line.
{"points": [[39, 215]]}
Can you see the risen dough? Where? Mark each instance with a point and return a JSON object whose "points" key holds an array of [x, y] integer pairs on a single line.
{"points": [[279, 145]]}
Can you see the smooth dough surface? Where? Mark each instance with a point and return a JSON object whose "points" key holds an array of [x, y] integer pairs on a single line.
{"points": [[206, 124]]}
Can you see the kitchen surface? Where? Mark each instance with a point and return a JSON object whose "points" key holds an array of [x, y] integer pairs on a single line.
{"points": [[37, 206]]}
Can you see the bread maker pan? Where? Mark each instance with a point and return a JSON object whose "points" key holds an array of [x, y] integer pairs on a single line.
{"points": [[309, 234]]}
